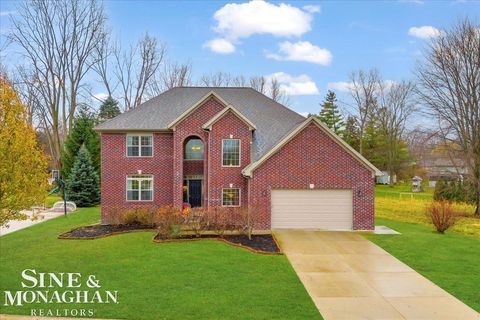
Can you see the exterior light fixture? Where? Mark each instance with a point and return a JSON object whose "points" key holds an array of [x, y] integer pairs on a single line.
{"points": [[312, 185]]}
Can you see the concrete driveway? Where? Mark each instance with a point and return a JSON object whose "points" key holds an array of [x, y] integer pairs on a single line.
{"points": [[349, 277]]}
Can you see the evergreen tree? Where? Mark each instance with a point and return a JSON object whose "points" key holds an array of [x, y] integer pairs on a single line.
{"points": [[83, 183], [352, 133], [109, 109], [82, 133], [330, 115]]}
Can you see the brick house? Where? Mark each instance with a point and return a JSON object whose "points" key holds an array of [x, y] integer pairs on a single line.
{"points": [[234, 147]]}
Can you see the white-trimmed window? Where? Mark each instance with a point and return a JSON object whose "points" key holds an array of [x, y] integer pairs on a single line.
{"points": [[139, 145], [231, 152], [231, 197], [140, 188]]}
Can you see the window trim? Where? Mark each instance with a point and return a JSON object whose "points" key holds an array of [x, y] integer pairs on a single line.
{"points": [[139, 135], [239, 153], [184, 149], [239, 198], [129, 177]]}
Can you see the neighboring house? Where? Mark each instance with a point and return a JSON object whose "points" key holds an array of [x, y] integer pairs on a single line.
{"points": [[384, 178], [234, 147], [442, 168]]}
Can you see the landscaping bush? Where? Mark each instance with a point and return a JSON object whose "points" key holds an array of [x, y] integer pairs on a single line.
{"points": [[442, 215], [168, 220], [220, 220], [245, 221], [459, 191], [196, 220], [138, 216]]}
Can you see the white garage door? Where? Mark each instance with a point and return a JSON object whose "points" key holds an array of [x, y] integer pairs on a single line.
{"points": [[312, 209]]}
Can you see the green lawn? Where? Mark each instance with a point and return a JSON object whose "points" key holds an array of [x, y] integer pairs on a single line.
{"points": [[413, 210], [403, 191], [190, 280], [449, 260]]}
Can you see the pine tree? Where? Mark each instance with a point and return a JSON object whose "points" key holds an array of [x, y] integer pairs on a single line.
{"points": [[82, 133], [83, 184], [330, 115], [352, 133], [109, 109]]}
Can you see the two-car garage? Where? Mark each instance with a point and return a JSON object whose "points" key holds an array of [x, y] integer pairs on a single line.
{"points": [[312, 209]]}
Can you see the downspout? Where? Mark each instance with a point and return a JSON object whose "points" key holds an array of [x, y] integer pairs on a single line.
{"points": [[208, 168]]}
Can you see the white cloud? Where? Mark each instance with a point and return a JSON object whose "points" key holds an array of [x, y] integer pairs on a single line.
{"points": [[312, 8], [101, 96], [340, 86], [6, 13], [412, 1], [305, 114], [235, 21], [424, 32], [219, 45], [302, 51], [295, 85]]}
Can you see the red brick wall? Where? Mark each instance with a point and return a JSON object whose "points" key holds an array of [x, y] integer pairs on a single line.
{"points": [[192, 167], [116, 166], [191, 126], [222, 177], [313, 157]]}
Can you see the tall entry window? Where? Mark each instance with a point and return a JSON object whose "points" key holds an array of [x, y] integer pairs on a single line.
{"points": [[231, 152], [194, 149]]}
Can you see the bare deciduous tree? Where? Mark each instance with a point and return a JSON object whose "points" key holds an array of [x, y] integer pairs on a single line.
{"points": [[449, 86], [395, 105], [259, 84], [57, 40], [363, 89], [217, 79], [102, 55], [173, 75], [136, 67]]}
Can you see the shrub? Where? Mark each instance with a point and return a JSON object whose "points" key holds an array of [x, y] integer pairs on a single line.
{"points": [[245, 221], [442, 215], [197, 220], [138, 216], [459, 191], [220, 220], [168, 220]]}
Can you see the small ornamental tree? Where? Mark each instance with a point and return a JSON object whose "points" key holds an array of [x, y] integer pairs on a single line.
{"points": [[109, 109], [83, 184], [330, 115], [82, 133], [23, 166]]}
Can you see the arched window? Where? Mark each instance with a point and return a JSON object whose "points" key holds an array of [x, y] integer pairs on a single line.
{"points": [[193, 149]]}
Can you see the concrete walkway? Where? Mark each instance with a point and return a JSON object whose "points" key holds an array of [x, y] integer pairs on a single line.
{"points": [[349, 277], [22, 224]]}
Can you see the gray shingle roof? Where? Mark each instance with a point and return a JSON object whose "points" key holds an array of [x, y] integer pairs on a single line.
{"points": [[272, 120]]}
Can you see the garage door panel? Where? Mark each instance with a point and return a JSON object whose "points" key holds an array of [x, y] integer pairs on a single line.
{"points": [[312, 209]]}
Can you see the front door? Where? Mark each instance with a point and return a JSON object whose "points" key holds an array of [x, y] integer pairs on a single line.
{"points": [[195, 193]]}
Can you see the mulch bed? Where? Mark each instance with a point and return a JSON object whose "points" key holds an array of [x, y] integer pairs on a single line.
{"points": [[100, 230], [260, 243]]}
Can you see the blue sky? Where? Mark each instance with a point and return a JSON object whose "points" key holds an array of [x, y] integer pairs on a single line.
{"points": [[322, 41]]}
